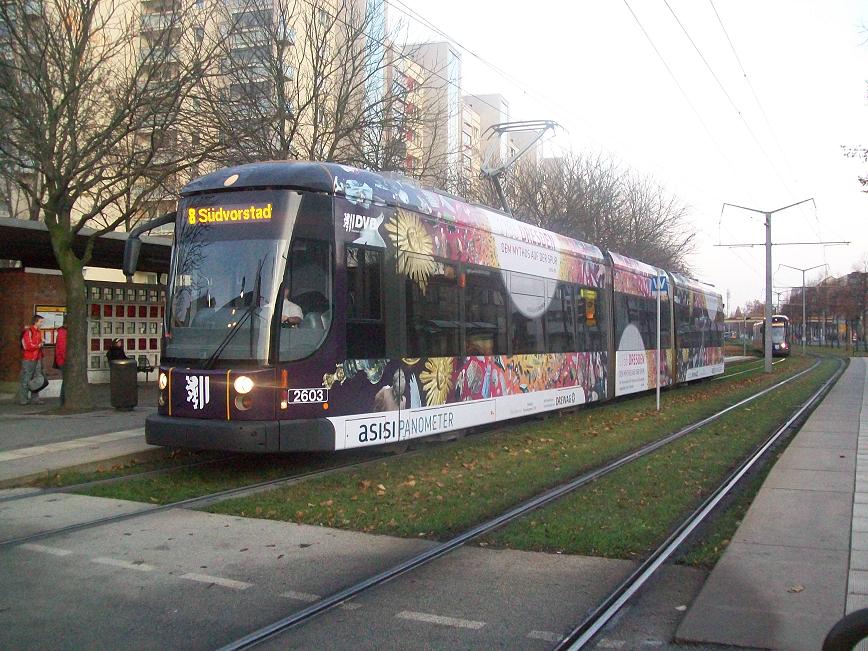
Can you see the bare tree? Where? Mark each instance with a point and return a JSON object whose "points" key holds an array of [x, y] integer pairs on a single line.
{"points": [[592, 199], [95, 99], [316, 79]]}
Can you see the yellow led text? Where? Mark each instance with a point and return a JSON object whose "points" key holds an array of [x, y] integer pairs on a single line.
{"points": [[221, 214]]}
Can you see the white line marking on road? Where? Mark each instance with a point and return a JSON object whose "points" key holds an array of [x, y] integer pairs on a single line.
{"points": [[217, 580], [548, 636], [350, 605], [439, 619], [54, 551], [301, 596], [311, 598], [606, 643], [127, 565]]}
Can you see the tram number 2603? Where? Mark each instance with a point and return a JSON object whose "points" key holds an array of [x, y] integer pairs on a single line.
{"points": [[297, 396]]}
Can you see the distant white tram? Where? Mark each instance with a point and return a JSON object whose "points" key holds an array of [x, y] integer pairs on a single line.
{"points": [[780, 336]]}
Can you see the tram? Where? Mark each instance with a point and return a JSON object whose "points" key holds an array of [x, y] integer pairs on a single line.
{"points": [[781, 344], [314, 306]]}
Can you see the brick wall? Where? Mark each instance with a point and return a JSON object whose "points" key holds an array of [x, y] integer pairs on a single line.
{"points": [[20, 292]]}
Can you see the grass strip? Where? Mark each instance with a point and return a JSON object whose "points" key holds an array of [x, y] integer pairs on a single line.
{"points": [[629, 512], [450, 488], [194, 482], [173, 459], [706, 550], [836, 351]]}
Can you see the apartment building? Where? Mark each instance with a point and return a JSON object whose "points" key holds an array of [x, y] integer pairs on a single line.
{"points": [[494, 109], [471, 154], [441, 63], [407, 135]]}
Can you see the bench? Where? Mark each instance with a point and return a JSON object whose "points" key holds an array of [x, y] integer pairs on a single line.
{"points": [[143, 365]]}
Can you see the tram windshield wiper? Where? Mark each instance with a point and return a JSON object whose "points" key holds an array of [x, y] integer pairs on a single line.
{"points": [[254, 303]]}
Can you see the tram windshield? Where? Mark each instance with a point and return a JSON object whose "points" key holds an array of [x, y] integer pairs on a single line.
{"points": [[778, 333], [227, 273]]}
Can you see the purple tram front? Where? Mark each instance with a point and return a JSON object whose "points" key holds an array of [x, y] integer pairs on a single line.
{"points": [[320, 307]]}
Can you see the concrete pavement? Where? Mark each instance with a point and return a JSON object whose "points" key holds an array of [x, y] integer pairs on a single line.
{"points": [[35, 439], [799, 560]]}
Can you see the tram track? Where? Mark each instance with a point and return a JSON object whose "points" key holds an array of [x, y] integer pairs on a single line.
{"points": [[83, 486], [592, 625], [198, 501], [726, 376], [327, 603]]}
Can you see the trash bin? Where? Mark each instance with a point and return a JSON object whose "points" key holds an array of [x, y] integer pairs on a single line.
{"points": [[124, 389]]}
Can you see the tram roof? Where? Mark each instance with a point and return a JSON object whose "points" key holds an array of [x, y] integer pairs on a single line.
{"points": [[691, 283], [624, 263], [362, 186]]}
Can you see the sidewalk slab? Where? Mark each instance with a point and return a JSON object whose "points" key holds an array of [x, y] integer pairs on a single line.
{"points": [[87, 453], [784, 580]]}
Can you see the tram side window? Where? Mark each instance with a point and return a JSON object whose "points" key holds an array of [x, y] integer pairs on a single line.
{"points": [[528, 294], [684, 324], [695, 327], [640, 313], [432, 316], [560, 332], [308, 286], [719, 327], [484, 312], [590, 320], [366, 333]]}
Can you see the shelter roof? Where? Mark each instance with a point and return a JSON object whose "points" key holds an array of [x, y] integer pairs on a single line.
{"points": [[29, 242]]}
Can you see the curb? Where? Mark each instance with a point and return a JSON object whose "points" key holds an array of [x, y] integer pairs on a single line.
{"points": [[89, 466]]}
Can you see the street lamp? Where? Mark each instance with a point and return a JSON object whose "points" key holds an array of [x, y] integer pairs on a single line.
{"points": [[768, 309], [804, 322]]}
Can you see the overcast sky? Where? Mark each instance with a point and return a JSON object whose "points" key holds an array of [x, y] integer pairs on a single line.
{"points": [[588, 65]]}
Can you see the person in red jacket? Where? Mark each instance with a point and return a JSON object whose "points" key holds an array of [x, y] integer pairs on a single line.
{"points": [[31, 361], [60, 358]]}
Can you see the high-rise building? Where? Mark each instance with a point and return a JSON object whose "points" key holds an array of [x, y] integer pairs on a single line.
{"points": [[494, 109], [441, 63], [402, 142], [471, 154]]}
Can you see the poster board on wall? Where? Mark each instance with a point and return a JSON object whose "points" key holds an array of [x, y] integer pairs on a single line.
{"points": [[53, 315]]}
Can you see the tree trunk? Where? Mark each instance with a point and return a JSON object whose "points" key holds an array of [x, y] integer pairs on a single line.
{"points": [[76, 387]]}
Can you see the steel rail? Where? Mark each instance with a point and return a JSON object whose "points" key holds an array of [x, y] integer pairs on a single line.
{"points": [[747, 370], [72, 488], [201, 500], [591, 626], [327, 603]]}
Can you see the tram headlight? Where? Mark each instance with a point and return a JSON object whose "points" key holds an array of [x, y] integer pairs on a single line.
{"points": [[163, 381], [243, 384]]}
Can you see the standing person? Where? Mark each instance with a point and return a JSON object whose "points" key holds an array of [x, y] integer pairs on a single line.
{"points": [[116, 351], [31, 361], [60, 358]]}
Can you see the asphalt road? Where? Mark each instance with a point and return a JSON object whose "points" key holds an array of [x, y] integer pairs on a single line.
{"points": [[184, 579]]}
